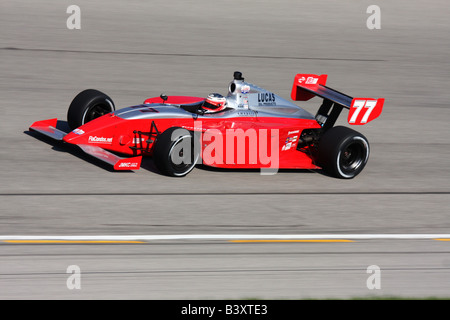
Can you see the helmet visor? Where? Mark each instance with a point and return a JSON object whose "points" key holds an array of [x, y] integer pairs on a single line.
{"points": [[210, 106]]}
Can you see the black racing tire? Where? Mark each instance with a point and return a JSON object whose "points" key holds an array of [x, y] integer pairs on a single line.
{"points": [[343, 152], [88, 105], [174, 152]]}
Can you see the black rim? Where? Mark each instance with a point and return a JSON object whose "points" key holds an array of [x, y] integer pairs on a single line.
{"points": [[352, 157], [182, 167], [96, 111]]}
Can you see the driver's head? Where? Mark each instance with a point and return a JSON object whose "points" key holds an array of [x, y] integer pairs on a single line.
{"points": [[215, 102]]}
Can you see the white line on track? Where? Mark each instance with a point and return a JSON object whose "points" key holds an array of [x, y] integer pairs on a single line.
{"points": [[227, 237]]}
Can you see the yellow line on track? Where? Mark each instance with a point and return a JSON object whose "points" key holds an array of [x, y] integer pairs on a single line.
{"points": [[442, 239], [70, 241], [307, 240]]}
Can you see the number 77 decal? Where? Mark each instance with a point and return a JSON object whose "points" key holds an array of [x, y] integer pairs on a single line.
{"points": [[364, 110]]}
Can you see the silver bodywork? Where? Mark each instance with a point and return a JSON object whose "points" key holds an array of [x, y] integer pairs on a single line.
{"points": [[145, 111], [243, 100]]}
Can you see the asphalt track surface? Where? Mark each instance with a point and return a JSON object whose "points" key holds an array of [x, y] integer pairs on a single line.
{"points": [[137, 50]]}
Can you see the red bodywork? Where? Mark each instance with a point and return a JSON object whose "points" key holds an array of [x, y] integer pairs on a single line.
{"points": [[116, 134]]}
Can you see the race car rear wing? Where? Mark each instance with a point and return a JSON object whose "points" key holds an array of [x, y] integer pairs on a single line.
{"points": [[307, 86]]}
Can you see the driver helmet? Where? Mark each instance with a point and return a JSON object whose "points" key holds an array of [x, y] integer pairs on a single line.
{"points": [[215, 102]]}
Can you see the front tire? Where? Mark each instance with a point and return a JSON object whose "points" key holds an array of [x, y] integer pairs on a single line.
{"points": [[343, 152], [87, 106], [174, 153]]}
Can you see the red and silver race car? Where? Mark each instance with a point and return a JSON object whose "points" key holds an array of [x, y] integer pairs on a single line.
{"points": [[250, 127]]}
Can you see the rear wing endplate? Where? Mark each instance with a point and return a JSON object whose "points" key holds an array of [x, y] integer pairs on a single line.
{"points": [[362, 110]]}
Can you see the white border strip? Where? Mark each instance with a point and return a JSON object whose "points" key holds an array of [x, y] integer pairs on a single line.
{"points": [[229, 237]]}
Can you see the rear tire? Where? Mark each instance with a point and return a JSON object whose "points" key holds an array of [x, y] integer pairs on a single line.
{"points": [[87, 106], [174, 153], [343, 152]]}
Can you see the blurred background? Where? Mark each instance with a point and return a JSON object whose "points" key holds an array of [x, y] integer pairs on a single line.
{"points": [[134, 50]]}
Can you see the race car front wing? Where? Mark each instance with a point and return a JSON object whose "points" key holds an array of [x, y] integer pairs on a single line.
{"points": [[48, 128]]}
